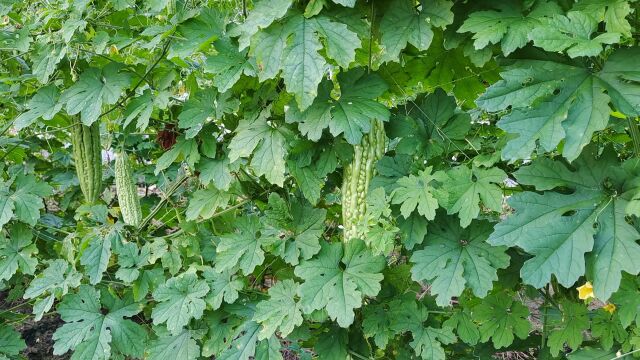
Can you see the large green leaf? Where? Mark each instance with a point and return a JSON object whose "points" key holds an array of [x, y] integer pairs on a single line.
{"points": [[267, 145], [94, 334], [55, 280], [570, 328], [454, 258], [553, 101], [502, 318], [295, 230], [351, 114], [281, 312], [179, 301], [95, 88], [508, 26], [559, 228], [172, 347], [327, 286], [196, 33], [402, 24], [11, 344], [467, 187], [571, 33], [242, 247], [44, 104], [17, 252], [293, 46], [416, 192]]}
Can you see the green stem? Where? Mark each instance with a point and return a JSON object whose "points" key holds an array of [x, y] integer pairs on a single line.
{"points": [[635, 135]]}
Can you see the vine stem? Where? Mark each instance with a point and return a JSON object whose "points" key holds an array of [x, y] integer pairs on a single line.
{"points": [[635, 135], [163, 200]]}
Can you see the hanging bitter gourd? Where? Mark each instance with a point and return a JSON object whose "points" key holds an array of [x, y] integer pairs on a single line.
{"points": [[127, 191], [88, 159], [357, 176]]}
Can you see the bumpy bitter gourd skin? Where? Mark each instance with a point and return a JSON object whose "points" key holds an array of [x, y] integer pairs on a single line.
{"points": [[127, 191], [88, 159], [357, 176]]}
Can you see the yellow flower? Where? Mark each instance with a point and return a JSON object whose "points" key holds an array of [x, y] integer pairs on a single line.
{"points": [[585, 291], [610, 308]]}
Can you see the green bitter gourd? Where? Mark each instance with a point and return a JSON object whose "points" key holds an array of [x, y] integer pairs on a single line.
{"points": [[357, 176], [88, 159], [127, 191]]}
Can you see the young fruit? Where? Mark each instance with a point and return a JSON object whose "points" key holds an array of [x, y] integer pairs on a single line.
{"points": [[88, 159], [127, 191], [357, 176]]}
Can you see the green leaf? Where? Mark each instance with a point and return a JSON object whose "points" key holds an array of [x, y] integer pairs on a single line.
{"points": [[570, 328], [91, 333], [467, 187], [17, 252], [11, 344], [507, 26], [216, 171], [462, 322], [613, 12], [432, 125], [412, 230], [202, 106], [27, 198], [293, 47], [241, 248], [131, 259], [589, 353], [427, 342], [333, 345], [606, 328], [569, 101], [328, 286], [502, 318], [224, 286], [171, 347], [351, 114], [141, 108], [55, 280], [417, 192], [228, 64], [558, 227], [95, 88], [296, 230], [267, 144], [44, 104], [571, 33], [188, 149], [46, 59], [627, 300], [264, 13], [197, 33], [244, 346], [281, 312], [179, 301], [402, 24], [95, 257], [454, 258], [205, 202]]}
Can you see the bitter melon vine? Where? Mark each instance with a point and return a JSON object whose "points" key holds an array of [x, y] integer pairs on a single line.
{"points": [[87, 155], [320, 179], [127, 191], [356, 179]]}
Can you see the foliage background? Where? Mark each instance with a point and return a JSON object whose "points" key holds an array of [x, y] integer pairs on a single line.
{"points": [[509, 179]]}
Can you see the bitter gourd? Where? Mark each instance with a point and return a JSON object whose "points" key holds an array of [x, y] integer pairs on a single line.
{"points": [[88, 159], [127, 191], [357, 176]]}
